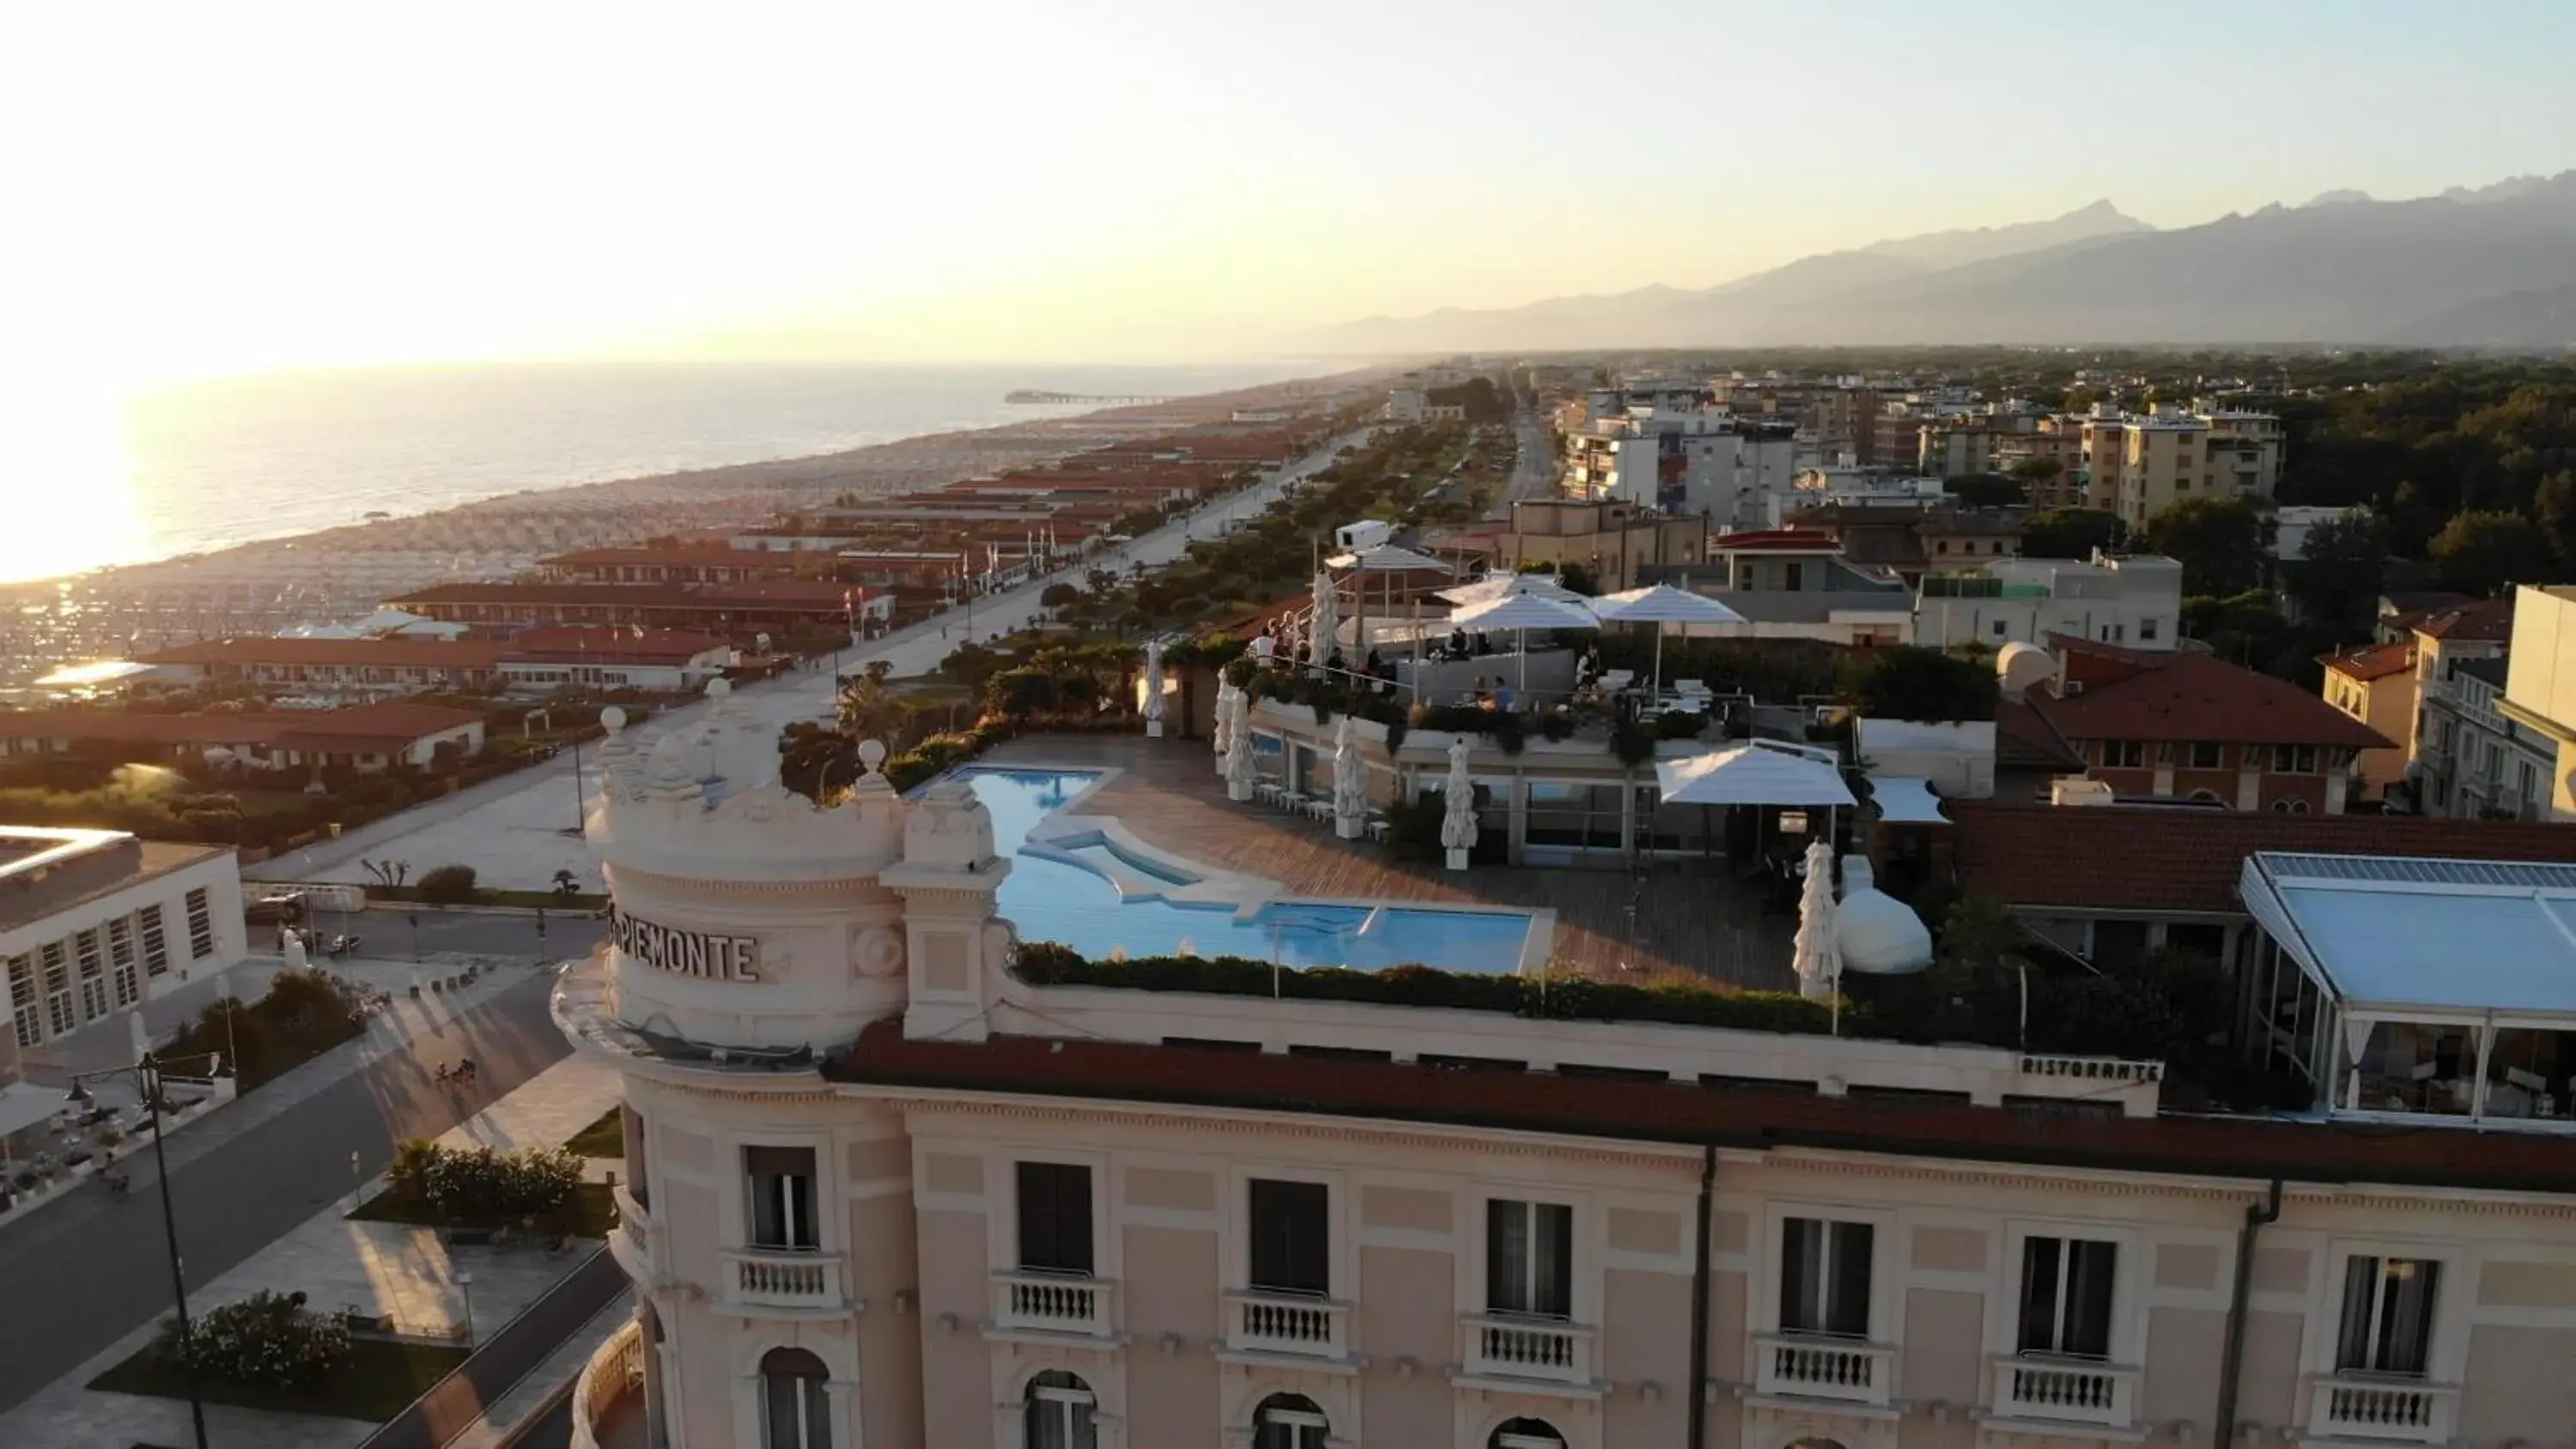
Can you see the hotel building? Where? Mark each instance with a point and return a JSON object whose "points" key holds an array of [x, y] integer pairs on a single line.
{"points": [[95, 922], [883, 1191]]}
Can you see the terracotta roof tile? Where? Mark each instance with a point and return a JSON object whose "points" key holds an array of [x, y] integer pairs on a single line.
{"points": [[2367, 662], [2488, 620], [352, 653], [2191, 696]]}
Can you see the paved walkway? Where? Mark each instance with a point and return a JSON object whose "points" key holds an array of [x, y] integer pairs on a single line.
{"points": [[378, 1269]]}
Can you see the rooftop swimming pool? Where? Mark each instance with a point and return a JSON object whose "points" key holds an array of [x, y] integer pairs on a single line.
{"points": [[1087, 892]]}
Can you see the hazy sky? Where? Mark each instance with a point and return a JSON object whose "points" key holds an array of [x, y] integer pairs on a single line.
{"points": [[228, 187]]}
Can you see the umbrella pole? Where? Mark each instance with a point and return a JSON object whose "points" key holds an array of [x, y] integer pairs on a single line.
{"points": [[1524, 666], [1659, 661]]}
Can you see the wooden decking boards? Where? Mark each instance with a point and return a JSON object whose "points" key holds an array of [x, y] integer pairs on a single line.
{"points": [[1690, 920]]}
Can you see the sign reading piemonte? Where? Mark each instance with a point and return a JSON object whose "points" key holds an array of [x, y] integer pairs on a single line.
{"points": [[687, 953]]}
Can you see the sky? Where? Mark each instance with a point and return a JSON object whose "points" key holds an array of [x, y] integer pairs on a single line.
{"points": [[252, 185]]}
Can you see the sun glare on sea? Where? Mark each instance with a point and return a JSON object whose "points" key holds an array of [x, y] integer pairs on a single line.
{"points": [[70, 498]]}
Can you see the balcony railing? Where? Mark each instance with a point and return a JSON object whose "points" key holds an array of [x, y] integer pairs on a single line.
{"points": [[1058, 1303], [1512, 1346], [783, 1278], [2082, 1393], [1815, 1367], [1286, 1323], [2366, 1406]]}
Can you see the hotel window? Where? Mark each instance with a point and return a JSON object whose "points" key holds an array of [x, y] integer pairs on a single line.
{"points": [[1060, 1413], [2066, 1286], [795, 1411], [1526, 1434], [2124, 754], [632, 1132], [2387, 1323], [1824, 1277], [2294, 759], [1288, 1421], [156, 943], [1055, 1217], [58, 989], [22, 1000], [1291, 1233], [1529, 1258], [93, 976], [2207, 754], [201, 925], [120, 961], [2146, 631], [782, 1198]]}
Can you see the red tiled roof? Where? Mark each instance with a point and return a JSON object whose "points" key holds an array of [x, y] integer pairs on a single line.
{"points": [[2250, 1149], [393, 721], [820, 593], [2367, 662], [2186, 695], [2487, 621], [1773, 538], [2150, 859], [690, 555], [380, 653], [2024, 741], [613, 646]]}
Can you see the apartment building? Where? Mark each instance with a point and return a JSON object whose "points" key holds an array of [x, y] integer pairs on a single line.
{"points": [[2464, 757], [884, 1191], [2054, 438], [2133, 601], [1703, 462], [2137, 464], [2375, 684], [1610, 538], [2540, 684], [96, 922]]}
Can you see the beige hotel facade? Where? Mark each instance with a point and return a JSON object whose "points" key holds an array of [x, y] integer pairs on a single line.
{"points": [[883, 1193]]}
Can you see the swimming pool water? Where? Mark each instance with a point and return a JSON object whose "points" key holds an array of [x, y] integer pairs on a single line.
{"points": [[1051, 900]]}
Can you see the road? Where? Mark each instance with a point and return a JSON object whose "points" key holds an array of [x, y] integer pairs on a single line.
{"points": [[86, 1270], [1534, 472]]}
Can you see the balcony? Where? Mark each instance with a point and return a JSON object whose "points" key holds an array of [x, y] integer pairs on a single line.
{"points": [[1802, 1366], [1286, 1325], [1513, 1350], [1050, 1306], [2371, 1406], [784, 1279], [2066, 1391]]}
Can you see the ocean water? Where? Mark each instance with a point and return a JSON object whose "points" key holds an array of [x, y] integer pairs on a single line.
{"points": [[207, 464]]}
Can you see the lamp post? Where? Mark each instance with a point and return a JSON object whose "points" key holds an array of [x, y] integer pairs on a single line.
{"points": [[465, 1282], [147, 1079]]}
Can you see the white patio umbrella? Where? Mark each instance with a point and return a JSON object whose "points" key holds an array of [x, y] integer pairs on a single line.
{"points": [[1350, 780], [1384, 560], [1815, 955], [1458, 808], [1238, 752], [1662, 604], [1494, 586], [1223, 733], [1751, 774], [1325, 623], [1520, 612]]}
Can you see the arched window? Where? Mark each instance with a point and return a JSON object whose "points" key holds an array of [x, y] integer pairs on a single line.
{"points": [[1526, 1434], [2207, 797], [794, 1412], [1288, 1421], [2291, 805], [1059, 1413]]}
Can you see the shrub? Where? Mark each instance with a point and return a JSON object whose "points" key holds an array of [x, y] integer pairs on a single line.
{"points": [[484, 1184], [268, 1340], [1632, 742], [1678, 724], [448, 885]]}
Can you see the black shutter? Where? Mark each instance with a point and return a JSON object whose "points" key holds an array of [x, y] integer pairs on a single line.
{"points": [[1055, 1216], [1291, 1237]]}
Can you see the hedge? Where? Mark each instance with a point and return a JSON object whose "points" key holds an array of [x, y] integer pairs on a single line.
{"points": [[1045, 963]]}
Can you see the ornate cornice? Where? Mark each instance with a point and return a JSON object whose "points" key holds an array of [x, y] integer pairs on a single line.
{"points": [[689, 885]]}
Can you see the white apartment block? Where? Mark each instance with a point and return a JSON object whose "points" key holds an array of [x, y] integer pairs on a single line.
{"points": [[2134, 601], [2540, 684], [2139, 463], [1704, 462], [93, 923]]}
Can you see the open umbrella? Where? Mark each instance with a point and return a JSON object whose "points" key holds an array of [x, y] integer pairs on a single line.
{"points": [[1521, 611], [1494, 586], [1238, 752], [1325, 623], [1662, 604], [1815, 955], [1751, 774], [1350, 780], [1458, 808]]}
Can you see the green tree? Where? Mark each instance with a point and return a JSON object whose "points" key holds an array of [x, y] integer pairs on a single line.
{"points": [[2218, 542], [2341, 568], [2483, 551], [2035, 471], [1912, 683], [1987, 490], [868, 710], [2072, 533], [2554, 505]]}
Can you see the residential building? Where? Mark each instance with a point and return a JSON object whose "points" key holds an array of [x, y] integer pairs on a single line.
{"points": [[715, 562], [2540, 683], [2134, 601], [2465, 757], [2375, 684], [1852, 484], [2139, 463], [1908, 540], [1702, 462], [1406, 404], [2057, 439], [1611, 538], [95, 922], [664, 660], [364, 738], [1791, 584], [882, 1187], [2182, 725]]}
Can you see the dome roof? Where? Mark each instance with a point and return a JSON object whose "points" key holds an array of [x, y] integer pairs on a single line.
{"points": [[2018, 666]]}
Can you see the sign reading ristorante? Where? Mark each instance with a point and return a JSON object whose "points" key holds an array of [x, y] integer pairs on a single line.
{"points": [[686, 953]]}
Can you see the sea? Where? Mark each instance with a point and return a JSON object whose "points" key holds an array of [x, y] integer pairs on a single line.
{"points": [[208, 464]]}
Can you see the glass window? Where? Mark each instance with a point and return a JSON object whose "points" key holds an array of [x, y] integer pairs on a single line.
{"points": [[1055, 1217], [1824, 1277], [1526, 1434], [156, 943], [782, 1197], [2294, 759], [796, 1413], [2066, 1296], [120, 960], [1291, 1237], [1529, 1258], [22, 1000], [2387, 1315], [1288, 1421], [201, 925], [1060, 1412]]}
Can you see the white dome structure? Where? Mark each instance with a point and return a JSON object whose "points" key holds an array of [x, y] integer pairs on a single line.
{"points": [[2019, 666], [1877, 934]]}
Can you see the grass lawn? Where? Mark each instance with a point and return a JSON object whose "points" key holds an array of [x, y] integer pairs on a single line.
{"points": [[593, 1213], [380, 1380], [603, 1138]]}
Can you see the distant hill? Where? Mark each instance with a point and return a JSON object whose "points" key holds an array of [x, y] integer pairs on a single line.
{"points": [[2493, 266]]}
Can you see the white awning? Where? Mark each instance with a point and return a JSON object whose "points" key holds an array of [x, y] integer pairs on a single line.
{"points": [[1906, 800]]}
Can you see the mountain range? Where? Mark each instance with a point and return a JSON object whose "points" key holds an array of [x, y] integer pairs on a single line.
{"points": [[2488, 267]]}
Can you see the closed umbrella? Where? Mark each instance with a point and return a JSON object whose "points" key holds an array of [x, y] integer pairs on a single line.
{"points": [[1521, 611], [1238, 753], [1154, 689], [1221, 736], [1458, 812], [1814, 954], [1326, 621], [1662, 604], [1350, 780]]}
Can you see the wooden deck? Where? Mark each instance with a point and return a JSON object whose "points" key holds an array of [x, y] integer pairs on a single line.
{"points": [[1673, 920]]}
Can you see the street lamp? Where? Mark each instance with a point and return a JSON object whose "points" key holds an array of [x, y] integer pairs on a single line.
{"points": [[465, 1281], [147, 1080]]}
